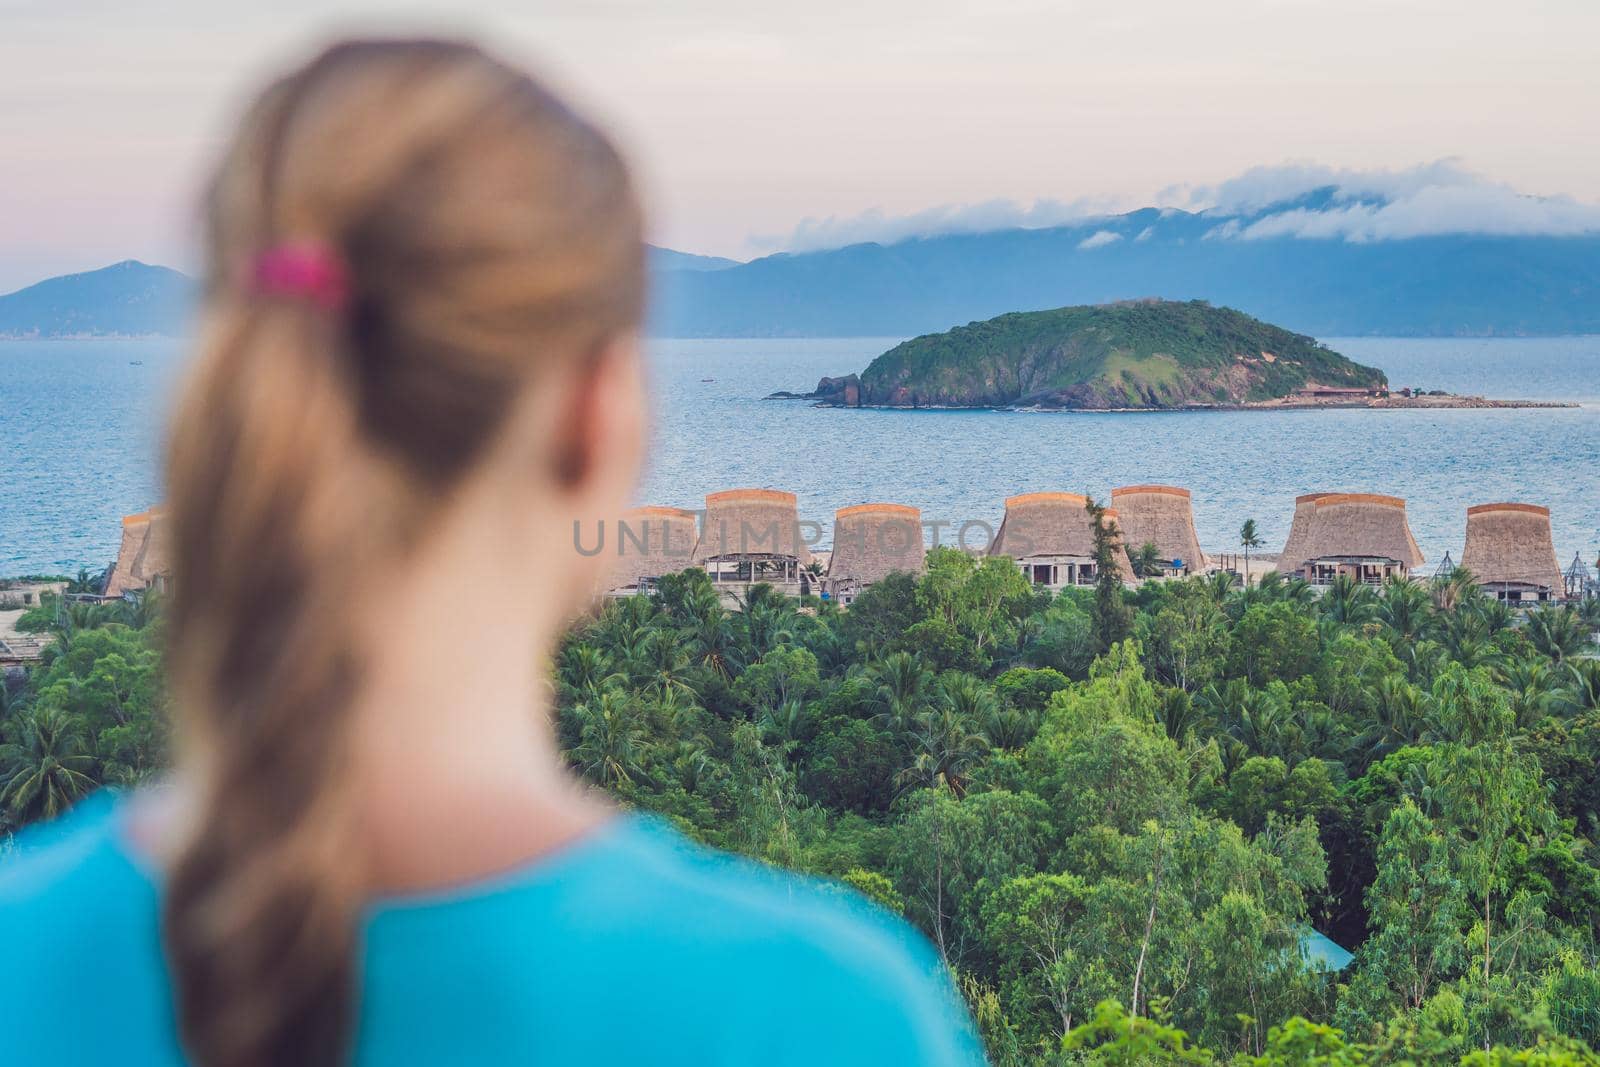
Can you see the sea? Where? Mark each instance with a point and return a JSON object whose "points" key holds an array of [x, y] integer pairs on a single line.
{"points": [[82, 422]]}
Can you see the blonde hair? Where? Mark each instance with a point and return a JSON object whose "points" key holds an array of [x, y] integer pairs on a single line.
{"points": [[483, 231]]}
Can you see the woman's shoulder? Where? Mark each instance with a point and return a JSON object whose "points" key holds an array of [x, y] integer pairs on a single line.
{"points": [[78, 922], [64, 863], [805, 969], [799, 944]]}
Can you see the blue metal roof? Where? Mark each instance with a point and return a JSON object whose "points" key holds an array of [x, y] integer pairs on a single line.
{"points": [[1322, 953]]}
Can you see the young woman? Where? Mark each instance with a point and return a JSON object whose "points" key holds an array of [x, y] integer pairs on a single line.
{"points": [[419, 369]]}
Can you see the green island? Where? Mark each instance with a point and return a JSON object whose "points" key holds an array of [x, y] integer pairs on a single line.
{"points": [[1129, 821], [1139, 354]]}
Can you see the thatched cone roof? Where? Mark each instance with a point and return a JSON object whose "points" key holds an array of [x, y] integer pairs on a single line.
{"points": [[1512, 543], [143, 555], [872, 541], [1359, 524], [1051, 524], [751, 523], [650, 542], [1044, 524], [1293, 554], [1160, 515]]}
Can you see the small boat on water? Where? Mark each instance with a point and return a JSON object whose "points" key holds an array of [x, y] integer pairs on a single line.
{"points": [[708, 379], [135, 362]]}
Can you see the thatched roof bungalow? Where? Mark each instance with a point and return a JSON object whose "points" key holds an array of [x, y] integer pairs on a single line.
{"points": [[1511, 552], [142, 559], [1049, 536], [650, 542], [752, 535], [1363, 535], [871, 542], [1294, 546], [1161, 515]]}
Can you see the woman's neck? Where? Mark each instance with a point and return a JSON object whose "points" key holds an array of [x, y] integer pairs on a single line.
{"points": [[457, 770], [452, 760]]}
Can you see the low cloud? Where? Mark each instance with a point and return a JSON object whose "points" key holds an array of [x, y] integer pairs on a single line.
{"points": [[1261, 187], [1099, 238], [1481, 209], [1431, 199], [875, 225]]}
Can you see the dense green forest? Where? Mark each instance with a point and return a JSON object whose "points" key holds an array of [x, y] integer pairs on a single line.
{"points": [[1132, 354], [1115, 813]]}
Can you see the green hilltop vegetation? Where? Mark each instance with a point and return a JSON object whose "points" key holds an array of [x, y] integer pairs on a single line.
{"points": [[1116, 815], [1136, 354]]}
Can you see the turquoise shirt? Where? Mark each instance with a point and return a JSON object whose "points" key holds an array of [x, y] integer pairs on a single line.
{"points": [[631, 946]]}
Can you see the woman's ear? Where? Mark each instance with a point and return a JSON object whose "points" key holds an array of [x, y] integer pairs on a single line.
{"points": [[600, 430]]}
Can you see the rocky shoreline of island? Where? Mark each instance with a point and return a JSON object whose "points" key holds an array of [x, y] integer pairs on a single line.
{"points": [[845, 393]]}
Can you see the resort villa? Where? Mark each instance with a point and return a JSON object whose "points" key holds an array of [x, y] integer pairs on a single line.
{"points": [[142, 560], [1362, 535], [1048, 535], [871, 542], [1160, 515], [650, 542], [749, 536], [1511, 553]]}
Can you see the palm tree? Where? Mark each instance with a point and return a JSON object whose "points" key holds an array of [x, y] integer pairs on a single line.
{"points": [[1532, 684], [585, 669], [1557, 632], [1297, 591], [1147, 561], [901, 684], [784, 725], [1320, 732], [946, 747], [662, 662], [1459, 587], [612, 738], [84, 582], [1263, 723], [1220, 584], [1400, 715], [712, 643], [1582, 691], [1348, 601], [622, 625], [1496, 614], [768, 619], [45, 766], [1248, 539], [1009, 727], [1466, 638], [670, 711], [142, 610], [1177, 713], [1405, 608], [968, 697]]}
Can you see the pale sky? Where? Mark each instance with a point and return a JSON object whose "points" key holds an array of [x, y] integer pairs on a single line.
{"points": [[757, 124]]}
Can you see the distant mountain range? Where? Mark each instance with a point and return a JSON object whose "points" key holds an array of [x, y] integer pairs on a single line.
{"points": [[1452, 284], [133, 299], [1449, 285], [662, 259]]}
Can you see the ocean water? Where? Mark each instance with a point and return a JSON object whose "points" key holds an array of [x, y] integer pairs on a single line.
{"points": [[81, 427]]}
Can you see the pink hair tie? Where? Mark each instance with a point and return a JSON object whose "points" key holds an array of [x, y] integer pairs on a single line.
{"points": [[304, 270]]}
